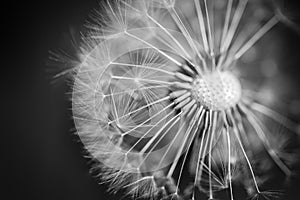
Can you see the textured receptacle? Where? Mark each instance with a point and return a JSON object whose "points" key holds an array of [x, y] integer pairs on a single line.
{"points": [[217, 90]]}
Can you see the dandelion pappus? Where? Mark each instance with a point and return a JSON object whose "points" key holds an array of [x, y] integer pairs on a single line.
{"points": [[158, 101]]}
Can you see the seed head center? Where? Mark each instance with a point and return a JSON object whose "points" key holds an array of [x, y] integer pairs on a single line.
{"points": [[217, 90]]}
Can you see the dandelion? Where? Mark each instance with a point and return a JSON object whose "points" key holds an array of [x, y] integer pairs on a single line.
{"points": [[160, 101]]}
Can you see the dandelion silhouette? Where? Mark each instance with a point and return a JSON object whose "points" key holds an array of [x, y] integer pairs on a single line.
{"points": [[158, 100]]}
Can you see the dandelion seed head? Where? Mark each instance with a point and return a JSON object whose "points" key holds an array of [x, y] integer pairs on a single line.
{"points": [[217, 90], [158, 91]]}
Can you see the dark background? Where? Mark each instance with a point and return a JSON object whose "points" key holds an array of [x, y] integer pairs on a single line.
{"points": [[41, 157]]}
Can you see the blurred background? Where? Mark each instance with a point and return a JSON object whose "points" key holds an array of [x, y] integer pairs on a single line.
{"points": [[42, 158]]}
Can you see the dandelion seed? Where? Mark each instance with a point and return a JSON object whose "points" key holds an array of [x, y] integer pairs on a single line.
{"points": [[158, 101]]}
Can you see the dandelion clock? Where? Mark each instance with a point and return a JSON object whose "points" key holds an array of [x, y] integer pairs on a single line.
{"points": [[179, 99]]}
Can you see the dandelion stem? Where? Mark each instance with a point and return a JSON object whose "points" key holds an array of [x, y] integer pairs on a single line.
{"points": [[214, 121], [292, 126], [196, 117], [170, 35], [171, 144], [208, 138], [262, 31], [186, 34], [144, 67], [115, 108], [229, 154], [190, 106], [234, 24], [140, 79], [150, 104], [158, 133], [152, 46], [209, 28], [184, 77], [182, 97], [202, 25], [261, 134], [226, 23], [141, 124], [199, 171], [244, 152], [133, 90], [176, 118], [182, 85], [240, 126]]}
